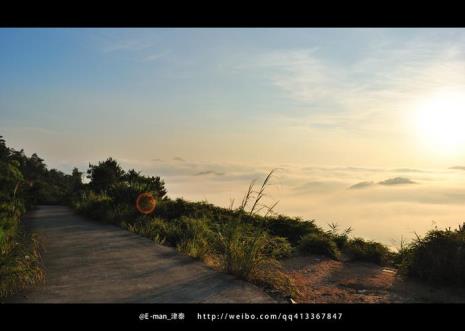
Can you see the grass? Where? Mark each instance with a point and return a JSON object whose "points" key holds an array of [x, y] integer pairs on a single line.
{"points": [[173, 224], [438, 258], [241, 252], [250, 254], [20, 259]]}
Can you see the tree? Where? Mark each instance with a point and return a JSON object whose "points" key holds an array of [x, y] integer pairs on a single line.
{"points": [[104, 175], [132, 177], [154, 185], [10, 180], [4, 151], [76, 180]]}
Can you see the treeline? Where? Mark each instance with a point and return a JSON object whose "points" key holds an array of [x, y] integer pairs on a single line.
{"points": [[27, 181]]}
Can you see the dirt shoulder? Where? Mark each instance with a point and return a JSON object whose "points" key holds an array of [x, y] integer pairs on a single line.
{"points": [[322, 280]]}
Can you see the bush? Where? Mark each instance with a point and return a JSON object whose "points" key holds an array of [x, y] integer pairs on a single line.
{"points": [[290, 228], [175, 209], [101, 207], [293, 229], [278, 247], [368, 251], [123, 194], [438, 258], [341, 238], [319, 244]]}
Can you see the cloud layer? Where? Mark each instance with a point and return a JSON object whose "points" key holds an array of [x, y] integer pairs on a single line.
{"points": [[380, 205], [396, 181]]}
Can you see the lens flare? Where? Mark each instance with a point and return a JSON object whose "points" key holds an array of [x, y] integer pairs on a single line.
{"points": [[146, 203]]}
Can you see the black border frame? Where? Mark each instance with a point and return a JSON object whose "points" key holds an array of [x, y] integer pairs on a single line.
{"points": [[373, 16]]}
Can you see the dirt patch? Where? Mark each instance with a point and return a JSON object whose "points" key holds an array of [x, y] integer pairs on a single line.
{"points": [[322, 280]]}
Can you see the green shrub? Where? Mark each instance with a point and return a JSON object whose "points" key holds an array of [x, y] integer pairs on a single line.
{"points": [[368, 251], [438, 258], [123, 194], [96, 206], [278, 248], [293, 229], [175, 209], [318, 244], [290, 228], [341, 238]]}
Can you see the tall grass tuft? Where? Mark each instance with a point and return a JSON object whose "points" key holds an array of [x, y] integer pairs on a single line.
{"points": [[254, 198], [241, 251]]}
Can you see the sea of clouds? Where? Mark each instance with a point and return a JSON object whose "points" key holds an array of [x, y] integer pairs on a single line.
{"points": [[386, 205]]}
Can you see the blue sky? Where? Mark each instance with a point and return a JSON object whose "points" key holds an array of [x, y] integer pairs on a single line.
{"points": [[222, 94], [214, 108]]}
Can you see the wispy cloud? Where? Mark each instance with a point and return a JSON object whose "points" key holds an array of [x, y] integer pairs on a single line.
{"points": [[209, 172], [361, 185], [364, 93], [155, 56], [147, 47], [396, 181], [113, 45], [407, 170], [387, 182], [458, 168]]}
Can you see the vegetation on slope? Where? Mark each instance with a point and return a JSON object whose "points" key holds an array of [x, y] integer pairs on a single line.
{"points": [[252, 238], [25, 182], [247, 241], [20, 262]]}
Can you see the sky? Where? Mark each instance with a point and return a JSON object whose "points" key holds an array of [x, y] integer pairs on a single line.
{"points": [[363, 125]]}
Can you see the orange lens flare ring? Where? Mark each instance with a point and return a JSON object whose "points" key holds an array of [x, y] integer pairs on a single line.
{"points": [[145, 203]]}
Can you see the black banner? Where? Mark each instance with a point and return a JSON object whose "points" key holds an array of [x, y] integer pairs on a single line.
{"points": [[150, 315]]}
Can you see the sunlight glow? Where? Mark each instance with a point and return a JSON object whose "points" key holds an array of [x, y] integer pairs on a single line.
{"points": [[440, 121]]}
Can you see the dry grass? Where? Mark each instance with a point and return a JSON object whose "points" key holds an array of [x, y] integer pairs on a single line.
{"points": [[22, 267]]}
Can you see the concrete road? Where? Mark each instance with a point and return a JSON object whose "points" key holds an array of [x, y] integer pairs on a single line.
{"points": [[90, 262]]}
